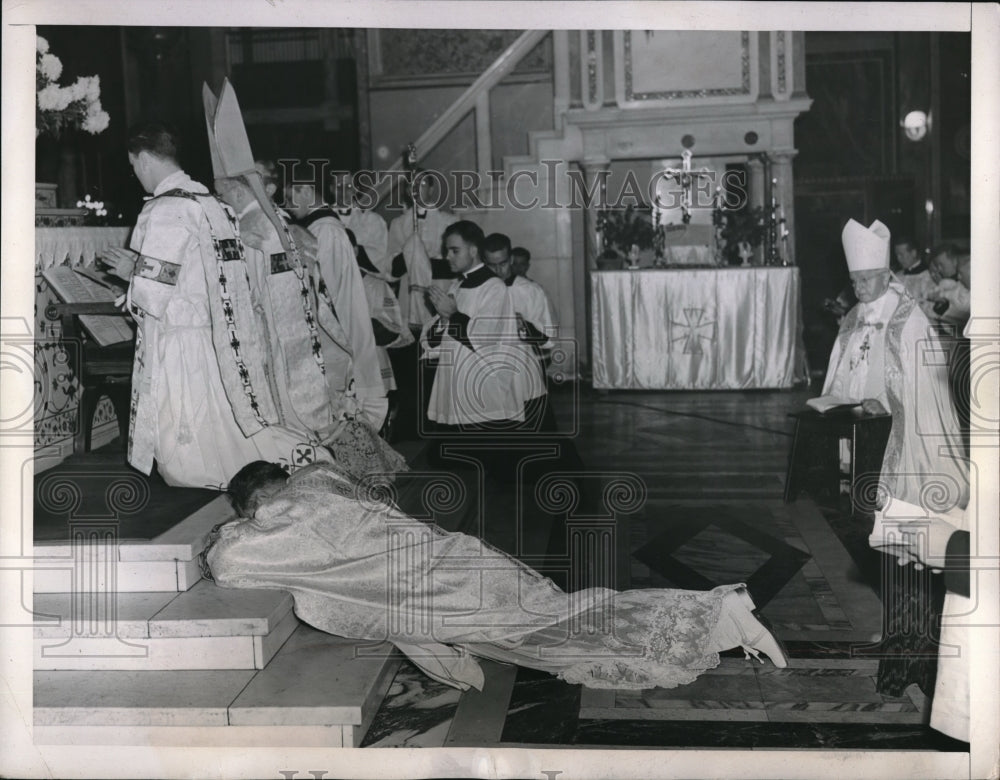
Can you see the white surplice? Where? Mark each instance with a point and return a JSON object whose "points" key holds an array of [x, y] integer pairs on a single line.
{"points": [[371, 232], [531, 302], [484, 371], [431, 225]]}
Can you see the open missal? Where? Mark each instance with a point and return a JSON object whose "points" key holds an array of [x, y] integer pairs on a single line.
{"points": [[827, 403], [84, 285]]}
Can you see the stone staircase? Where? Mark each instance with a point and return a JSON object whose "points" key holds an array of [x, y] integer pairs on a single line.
{"points": [[132, 646]]}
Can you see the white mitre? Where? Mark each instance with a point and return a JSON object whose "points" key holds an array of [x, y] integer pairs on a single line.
{"points": [[866, 248]]}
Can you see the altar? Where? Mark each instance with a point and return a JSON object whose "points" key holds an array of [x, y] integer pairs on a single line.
{"points": [[697, 329]]}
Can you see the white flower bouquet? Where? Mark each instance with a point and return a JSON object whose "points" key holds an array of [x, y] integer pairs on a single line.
{"points": [[75, 106]]}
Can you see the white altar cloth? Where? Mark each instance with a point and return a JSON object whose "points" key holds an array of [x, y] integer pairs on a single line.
{"points": [[712, 329], [81, 245]]}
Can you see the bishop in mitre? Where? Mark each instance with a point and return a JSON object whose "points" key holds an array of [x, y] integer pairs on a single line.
{"points": [[887, 357], [286, 306]]}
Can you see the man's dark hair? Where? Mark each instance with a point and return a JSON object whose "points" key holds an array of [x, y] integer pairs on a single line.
{"points": [[905, 239], [155, 138], [468, 231], [496, 242], [949, 249], [249, 479], [520, 251]]}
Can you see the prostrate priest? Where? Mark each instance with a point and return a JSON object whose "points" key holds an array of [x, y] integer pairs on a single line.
{"points": [[359, 568], [352, 365], [887, 356], [201, 401]]}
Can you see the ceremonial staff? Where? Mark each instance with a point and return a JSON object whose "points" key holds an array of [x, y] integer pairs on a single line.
{"points": [[410, 163]]}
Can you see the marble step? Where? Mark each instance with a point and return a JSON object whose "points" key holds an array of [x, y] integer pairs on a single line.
{"points": [[318, 690], [97, 561], [207, 627]]}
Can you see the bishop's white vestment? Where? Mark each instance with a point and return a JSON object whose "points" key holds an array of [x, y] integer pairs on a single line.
{"points": [[281, 288], [887, 350], [352, 367]]}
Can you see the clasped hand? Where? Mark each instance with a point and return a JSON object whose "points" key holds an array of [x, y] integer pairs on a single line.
{"points": [[444, 304]]}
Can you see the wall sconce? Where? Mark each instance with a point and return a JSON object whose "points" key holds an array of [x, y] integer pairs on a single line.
{"points": [[916, 125]]}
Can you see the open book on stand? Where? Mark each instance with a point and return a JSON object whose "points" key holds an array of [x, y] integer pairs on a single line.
{"points": [[829, 403], [85, 285]]}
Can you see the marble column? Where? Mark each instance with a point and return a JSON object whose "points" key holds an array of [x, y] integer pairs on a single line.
{"points": [[595, 171], [755, 183]]}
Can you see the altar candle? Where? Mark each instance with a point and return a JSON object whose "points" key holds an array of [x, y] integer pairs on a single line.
{"points": [[718, 198], [929, 208]]}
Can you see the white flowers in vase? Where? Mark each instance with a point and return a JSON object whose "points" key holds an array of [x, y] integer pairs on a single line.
{"points": [[75, 106]]}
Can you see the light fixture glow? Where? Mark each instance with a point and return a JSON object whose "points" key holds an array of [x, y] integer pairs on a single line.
{"points": [[916, 125]]}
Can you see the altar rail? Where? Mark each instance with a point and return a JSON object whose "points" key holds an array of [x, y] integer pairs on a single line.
{"points": [[714, 329]]}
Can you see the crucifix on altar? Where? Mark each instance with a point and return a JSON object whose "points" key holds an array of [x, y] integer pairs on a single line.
{"points": [[685, 179]]}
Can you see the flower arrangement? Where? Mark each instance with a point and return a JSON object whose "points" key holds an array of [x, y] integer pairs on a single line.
{"points": [[621, 230], [75, 106], [746, 227]]}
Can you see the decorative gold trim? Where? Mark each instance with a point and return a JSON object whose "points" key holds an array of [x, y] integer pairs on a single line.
{"points": [[592, 68], [592, 65], [679, 94], [782, 80]]}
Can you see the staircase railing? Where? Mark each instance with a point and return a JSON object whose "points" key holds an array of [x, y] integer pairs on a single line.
{"points": [[476, 97]]}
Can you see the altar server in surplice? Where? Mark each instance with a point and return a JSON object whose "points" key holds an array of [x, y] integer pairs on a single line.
{"points": [[485, 374], [369, 229], [535, 321], [387, 320], [201, 399], [345, 322]]}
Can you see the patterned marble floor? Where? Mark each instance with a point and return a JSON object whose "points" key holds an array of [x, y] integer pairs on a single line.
{"points": [[712, 466]]}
